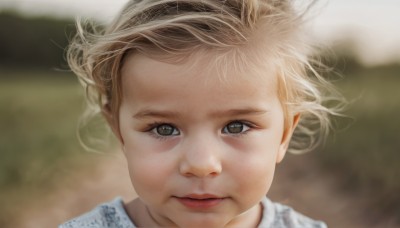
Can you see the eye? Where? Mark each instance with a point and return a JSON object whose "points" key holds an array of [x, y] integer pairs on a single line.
{"points": [[165, 130], [235, 127]]}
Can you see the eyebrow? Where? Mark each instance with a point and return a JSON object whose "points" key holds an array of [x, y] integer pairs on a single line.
{"points": [[168, 114], [155, 114], [240, 112]]}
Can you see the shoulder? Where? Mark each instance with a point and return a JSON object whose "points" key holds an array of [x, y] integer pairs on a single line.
{"points": [[106, 215], [282, 216]]}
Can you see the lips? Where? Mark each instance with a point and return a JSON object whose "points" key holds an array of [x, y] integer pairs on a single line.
{"points": [[200, 201]]}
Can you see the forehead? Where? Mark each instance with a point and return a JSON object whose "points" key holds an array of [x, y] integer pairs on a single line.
{"points": [[193, 88], [204, 68]]}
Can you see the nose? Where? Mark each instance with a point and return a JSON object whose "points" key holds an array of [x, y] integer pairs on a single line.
{"points": [[201, 158]]}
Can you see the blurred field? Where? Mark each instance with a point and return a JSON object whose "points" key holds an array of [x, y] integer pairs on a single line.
{"points": [[365, 154], [38, 117]]}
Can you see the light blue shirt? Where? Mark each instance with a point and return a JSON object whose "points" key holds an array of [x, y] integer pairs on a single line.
{"points": [[113, 215]]}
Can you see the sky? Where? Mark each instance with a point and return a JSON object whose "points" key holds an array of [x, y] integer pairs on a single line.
{"points": [[375, 24]]}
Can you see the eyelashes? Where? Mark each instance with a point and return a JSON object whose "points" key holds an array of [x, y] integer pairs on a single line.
{"points": [[161, 130], [165, 130], [236, 127]]}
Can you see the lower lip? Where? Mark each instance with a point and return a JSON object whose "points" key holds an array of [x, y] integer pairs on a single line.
{"points": [[200, 203]]}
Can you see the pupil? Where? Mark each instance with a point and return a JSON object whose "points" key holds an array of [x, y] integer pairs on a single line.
{"points": [[235, 127], [165, 130]]}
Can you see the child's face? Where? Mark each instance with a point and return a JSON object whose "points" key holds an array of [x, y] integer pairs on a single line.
{"points": [[200, 150]]}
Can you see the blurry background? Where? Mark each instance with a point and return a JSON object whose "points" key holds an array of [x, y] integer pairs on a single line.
{"points": [[41, 102]]}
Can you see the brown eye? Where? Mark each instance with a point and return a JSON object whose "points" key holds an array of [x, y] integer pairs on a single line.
{"points": [[235, 128], [166, 130]]}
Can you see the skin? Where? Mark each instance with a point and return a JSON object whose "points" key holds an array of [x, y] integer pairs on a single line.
{"points": [[186, 132]]}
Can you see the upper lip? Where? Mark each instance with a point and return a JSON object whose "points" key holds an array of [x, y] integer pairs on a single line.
{"points": [[201, 196]]}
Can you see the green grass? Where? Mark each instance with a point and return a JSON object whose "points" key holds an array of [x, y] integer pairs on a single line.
{"points": [[39, 113], [366, 153]]}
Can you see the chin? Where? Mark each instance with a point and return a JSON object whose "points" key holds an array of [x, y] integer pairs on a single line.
{"points": [[201, 221]]}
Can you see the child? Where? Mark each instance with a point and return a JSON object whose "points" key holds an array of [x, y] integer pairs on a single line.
{"points": [[204, 97]]}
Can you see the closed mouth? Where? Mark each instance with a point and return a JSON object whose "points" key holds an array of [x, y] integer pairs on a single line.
{"points": [[202, 196], [200, 201]]}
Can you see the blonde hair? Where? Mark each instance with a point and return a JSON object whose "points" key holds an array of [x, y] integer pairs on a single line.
{"points": [[174, 29]]}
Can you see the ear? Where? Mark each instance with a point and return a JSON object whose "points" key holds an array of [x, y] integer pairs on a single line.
{"points": [[106, 111], [287, 135]]}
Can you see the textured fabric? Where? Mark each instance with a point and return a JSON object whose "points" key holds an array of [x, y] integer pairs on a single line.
{"points": [[107, 215], [113, 215], [276, 215]]}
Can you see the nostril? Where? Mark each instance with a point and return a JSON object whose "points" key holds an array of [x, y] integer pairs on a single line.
{"points": [[190, 170], [214, 174]]}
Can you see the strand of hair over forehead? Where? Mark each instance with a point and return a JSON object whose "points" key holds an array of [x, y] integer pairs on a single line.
{"points": [[92, 43], [92, 52]]}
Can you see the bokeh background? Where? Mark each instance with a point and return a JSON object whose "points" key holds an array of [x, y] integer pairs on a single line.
{"points": [[46, 176]]}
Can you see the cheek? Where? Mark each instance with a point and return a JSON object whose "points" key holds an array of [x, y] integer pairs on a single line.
{"points": [[144, 178], [253, 177], [149, 169], [254, 163], [255, 173]]}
